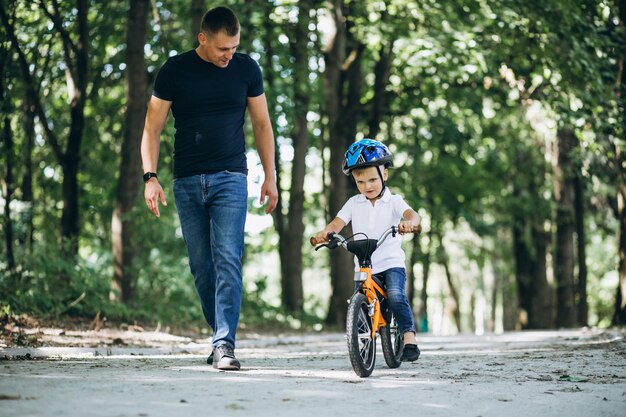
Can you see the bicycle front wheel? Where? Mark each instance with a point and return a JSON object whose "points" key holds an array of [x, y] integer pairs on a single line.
{"points": [[361, 344]]}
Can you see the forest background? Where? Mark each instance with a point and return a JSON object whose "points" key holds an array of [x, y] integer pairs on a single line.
{"points": [[506, 120]]}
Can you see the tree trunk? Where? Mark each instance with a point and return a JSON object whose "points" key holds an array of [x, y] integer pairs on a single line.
{"points": [[442, 258], [533, 290], [505, 292], [291, 259], [26, 238], [129, 181], [382, 71], [198, 9], [565, 217], [581, 288], [8, 183], [454, 294], [70, 223], [342, 90], [269, 75], [410, 276], [290, 226], [523, 271], [619, 316], [530, 248], [510, 310], [541, 310], [7, 193], [422, 315], [495, 295]]}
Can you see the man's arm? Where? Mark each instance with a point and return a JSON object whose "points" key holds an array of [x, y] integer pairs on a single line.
{"points": [[150, 145], [264, 139]]}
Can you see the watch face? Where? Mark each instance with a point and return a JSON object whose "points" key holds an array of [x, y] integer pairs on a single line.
{"points": [[148, 175]]}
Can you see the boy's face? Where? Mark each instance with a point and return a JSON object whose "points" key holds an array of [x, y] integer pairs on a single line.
{"points": [[368, 181]]}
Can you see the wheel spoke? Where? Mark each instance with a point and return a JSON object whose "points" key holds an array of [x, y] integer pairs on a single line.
{"points": [[365, 349], [365, 335]]}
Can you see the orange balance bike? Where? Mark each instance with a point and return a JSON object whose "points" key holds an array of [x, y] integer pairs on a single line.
{"points": [[369, 314]]}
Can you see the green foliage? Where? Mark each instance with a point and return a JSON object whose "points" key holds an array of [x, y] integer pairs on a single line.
{"points": [[259, 314], [475, 93], [50, 284]]}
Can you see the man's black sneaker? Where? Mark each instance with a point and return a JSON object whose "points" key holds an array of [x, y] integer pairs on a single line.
{"points": [[209, 360], [410, 353], [224, 359]]}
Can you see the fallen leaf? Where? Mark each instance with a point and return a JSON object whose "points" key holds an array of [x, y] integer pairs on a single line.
{"points": [[571, 378]]}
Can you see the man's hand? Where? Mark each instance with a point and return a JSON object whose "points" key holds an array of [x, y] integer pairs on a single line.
{"points": [[153, 193], [269, 191]]}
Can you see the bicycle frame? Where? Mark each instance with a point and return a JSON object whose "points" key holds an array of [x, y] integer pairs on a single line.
{"points": [[371, 289]]}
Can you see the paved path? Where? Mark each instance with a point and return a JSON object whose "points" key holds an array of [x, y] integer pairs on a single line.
{"points": [[564, 373]]}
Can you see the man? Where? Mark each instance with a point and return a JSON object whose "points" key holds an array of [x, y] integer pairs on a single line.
{"points": [[208, 90]]}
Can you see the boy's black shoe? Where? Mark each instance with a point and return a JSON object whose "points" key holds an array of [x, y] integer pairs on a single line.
{"points": [[410, 353], [209, 360], [224, 359]]}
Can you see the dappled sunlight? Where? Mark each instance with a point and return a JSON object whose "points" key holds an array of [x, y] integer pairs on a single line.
{"points": [[321, 370], [432, 405]]}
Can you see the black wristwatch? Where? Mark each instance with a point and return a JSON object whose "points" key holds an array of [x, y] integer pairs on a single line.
{"points": [[149, 175]]}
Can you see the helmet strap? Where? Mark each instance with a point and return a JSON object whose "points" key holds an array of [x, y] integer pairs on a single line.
{"points": [[382, 179]]}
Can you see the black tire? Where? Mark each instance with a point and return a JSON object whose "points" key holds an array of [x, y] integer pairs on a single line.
{"points": [[392, 342], [361, 344]]}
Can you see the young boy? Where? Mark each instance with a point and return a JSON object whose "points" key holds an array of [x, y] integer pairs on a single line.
{"points": [[372, 212]]}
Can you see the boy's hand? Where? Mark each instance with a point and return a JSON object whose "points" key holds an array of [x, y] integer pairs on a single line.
{"points": [[320, 237], [407, 226]]}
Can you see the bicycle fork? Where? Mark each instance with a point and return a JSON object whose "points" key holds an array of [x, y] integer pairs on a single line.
{"points": [[371, 289]]}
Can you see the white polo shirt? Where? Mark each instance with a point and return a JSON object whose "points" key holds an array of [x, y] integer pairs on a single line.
{"points": [[373, 220]]}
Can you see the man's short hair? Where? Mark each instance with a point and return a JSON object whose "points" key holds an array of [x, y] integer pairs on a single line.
{"points": [[220, 18]]}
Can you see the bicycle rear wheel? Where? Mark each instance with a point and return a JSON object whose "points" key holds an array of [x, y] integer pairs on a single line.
{"points": [[392, 342], [361, 344]]}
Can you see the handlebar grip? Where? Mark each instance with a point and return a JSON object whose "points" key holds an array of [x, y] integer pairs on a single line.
{"points": [[417, 231], [312, 241]]}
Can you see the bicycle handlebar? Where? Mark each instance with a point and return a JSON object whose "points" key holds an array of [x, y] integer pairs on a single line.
{"points": [[335, 239]]}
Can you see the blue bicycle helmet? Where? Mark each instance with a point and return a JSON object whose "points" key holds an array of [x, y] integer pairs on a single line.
{"points": [[365, 153]]}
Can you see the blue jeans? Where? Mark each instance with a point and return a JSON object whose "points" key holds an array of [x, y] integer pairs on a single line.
{"points": [[212, 210], [395, 283]]}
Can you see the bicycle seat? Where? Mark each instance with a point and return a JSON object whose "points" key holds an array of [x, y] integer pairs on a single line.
{"points": [[363, 250]]}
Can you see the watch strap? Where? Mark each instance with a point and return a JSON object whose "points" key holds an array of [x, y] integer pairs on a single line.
{"points": [[148, 175]]}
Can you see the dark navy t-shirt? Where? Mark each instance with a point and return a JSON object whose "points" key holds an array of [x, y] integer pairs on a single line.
{"points": [[208, 105]]}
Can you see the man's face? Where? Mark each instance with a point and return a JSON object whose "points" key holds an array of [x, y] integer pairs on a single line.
{"points": [[217, 48], [368, 181]]}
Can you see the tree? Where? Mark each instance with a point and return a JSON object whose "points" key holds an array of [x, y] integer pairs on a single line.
{"points": [[7, 181], [619, 316], [291, 231], [468, 94], [565, 217], [75, 59], [123, 225], [342, 92]]}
